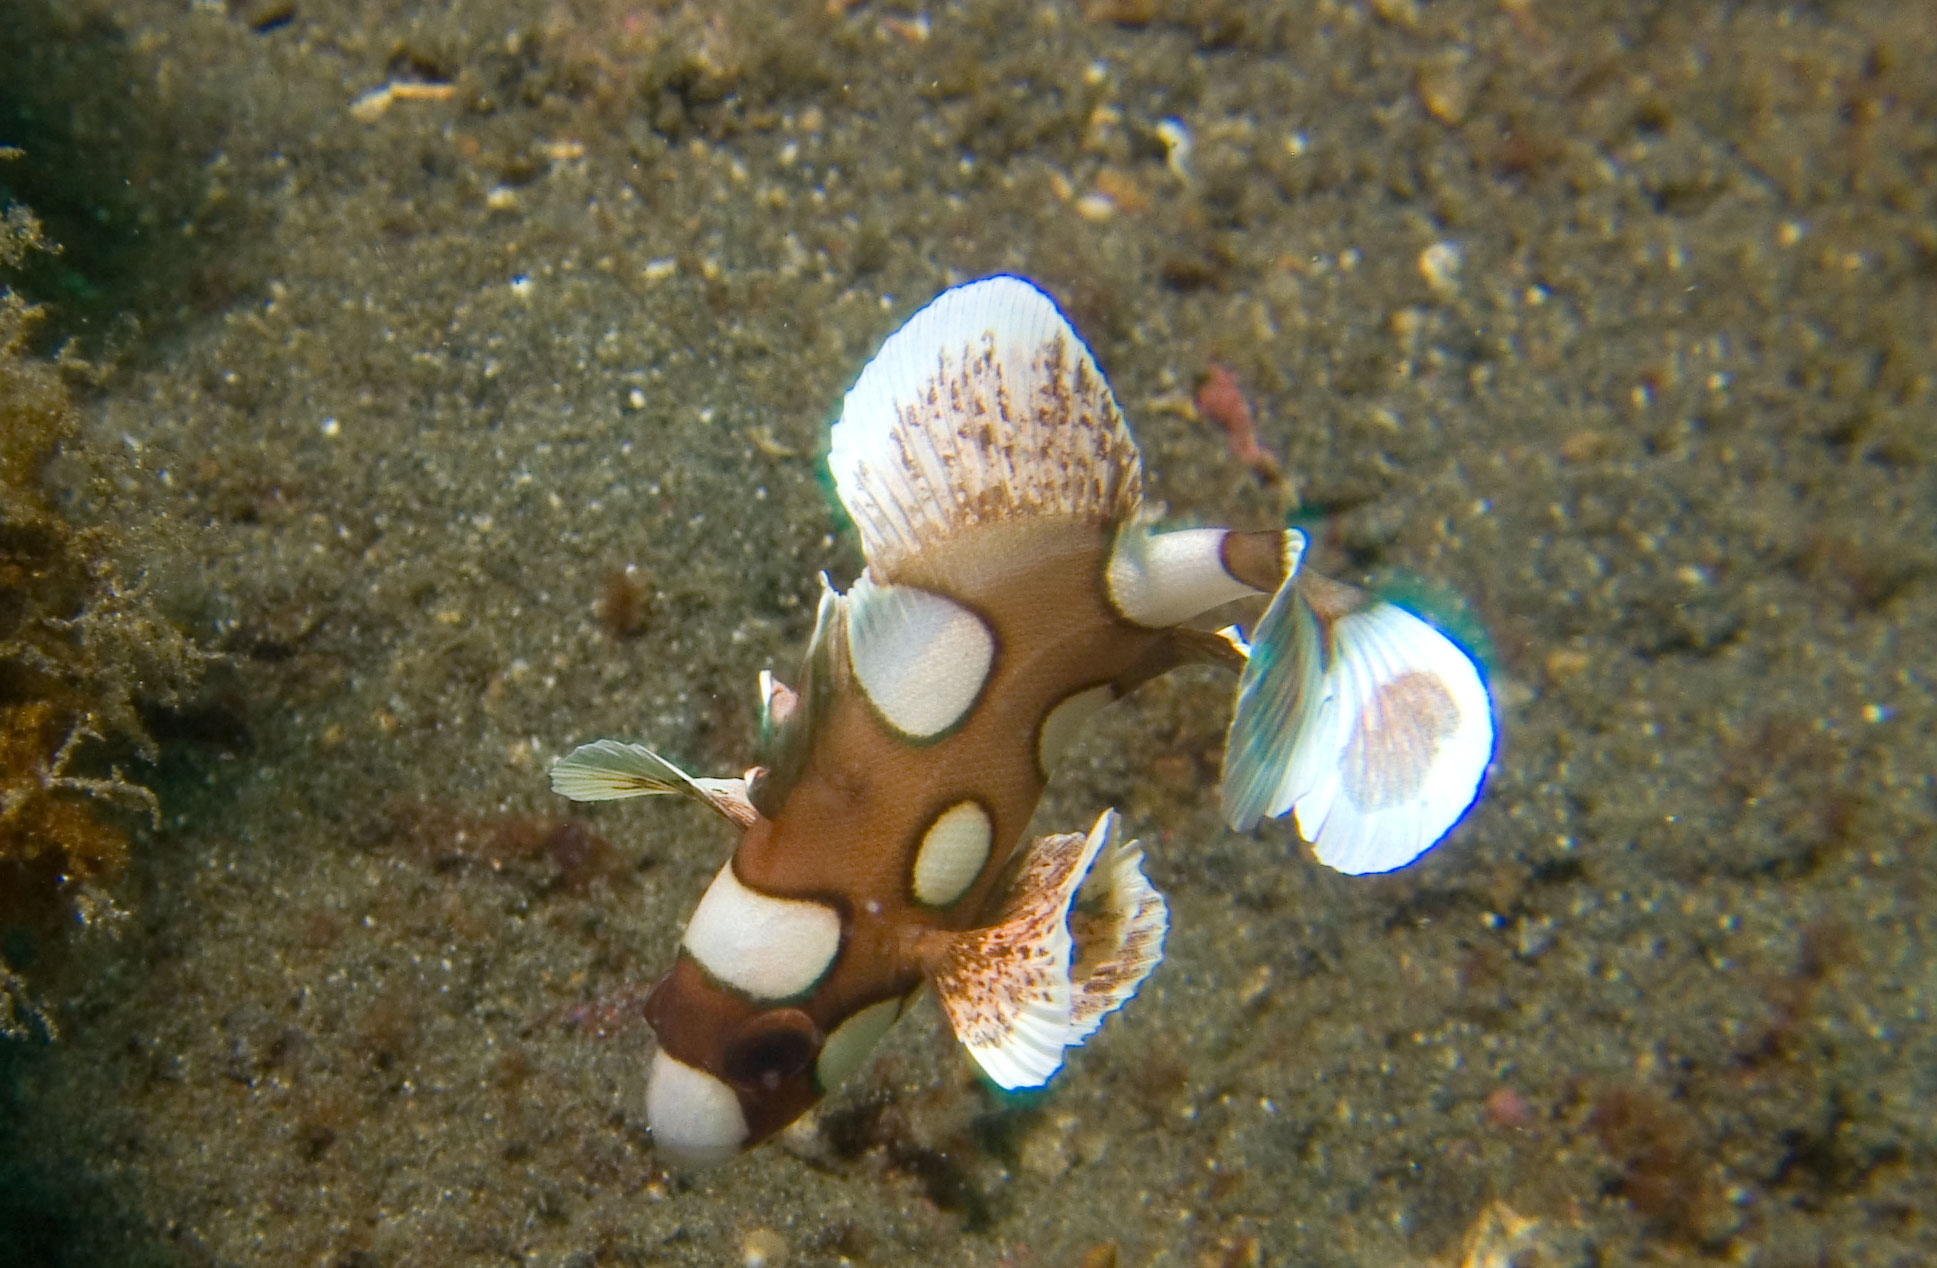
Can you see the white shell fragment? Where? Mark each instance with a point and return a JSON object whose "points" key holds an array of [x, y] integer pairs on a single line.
{"points": [[921, 658], [1162, 579], [952, 854], [767, 947], [986, 405], [696, 1120]]}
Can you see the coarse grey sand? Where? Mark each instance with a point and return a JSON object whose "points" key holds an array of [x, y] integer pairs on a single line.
{"points": [[1606, 329]]}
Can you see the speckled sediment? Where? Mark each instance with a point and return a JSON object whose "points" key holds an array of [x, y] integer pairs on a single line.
{"points": [[1615, 319]]}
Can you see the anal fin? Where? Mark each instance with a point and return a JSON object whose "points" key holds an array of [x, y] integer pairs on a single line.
{"points": [[1041, 978]]}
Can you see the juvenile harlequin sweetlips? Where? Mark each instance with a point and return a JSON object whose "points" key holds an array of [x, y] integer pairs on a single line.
{"points": [[1013, 588]]}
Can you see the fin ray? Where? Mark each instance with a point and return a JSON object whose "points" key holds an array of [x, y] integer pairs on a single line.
{"points": [[1280, 722]]}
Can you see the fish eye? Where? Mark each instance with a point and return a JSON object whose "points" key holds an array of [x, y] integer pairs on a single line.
{"points": [[771, 1048]]}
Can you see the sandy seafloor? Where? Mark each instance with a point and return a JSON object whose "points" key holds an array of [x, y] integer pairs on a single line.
{"points": [[420, 379]]}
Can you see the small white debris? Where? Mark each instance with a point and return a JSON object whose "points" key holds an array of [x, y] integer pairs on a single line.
{"points": [[1692, 575], [1439, 265], [635, 399], [372, 105], [1176, 139], [763, 1248], [501, 198], [331, 428], [1095, 208], [660, 269], [521, 286]]}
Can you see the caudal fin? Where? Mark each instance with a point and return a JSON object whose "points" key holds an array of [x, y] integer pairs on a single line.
{"points": [[1368, 723]]}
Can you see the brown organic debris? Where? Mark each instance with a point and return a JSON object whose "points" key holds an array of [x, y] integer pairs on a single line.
{"points": [[1221, 400], [625, 603], [75, 642]]}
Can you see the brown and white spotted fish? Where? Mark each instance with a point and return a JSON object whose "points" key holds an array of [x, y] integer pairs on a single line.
{"points": [[1013, 588]]}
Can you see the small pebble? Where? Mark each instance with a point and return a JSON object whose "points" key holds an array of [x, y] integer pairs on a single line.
{"points": [[1439, 265], [763, 1248]]}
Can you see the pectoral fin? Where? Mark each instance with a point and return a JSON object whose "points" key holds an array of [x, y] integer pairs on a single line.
{"points": [[610, 770], [1042, 977]]}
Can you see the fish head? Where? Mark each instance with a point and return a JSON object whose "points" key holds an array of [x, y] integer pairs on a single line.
{"points": [[729, 1073]]}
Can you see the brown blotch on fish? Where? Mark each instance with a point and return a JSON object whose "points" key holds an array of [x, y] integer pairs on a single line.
{"points": [[1397, 735]]}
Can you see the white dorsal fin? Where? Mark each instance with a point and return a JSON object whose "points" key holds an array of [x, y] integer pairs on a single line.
{"points": [[1369, 723], [1013, 991], [610, 770], [985, 405]]}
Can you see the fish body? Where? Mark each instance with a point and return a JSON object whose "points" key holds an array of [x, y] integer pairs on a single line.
{"points": [[1013, 588]]}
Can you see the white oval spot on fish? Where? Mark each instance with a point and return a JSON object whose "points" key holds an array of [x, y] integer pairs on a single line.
{"points": [[952, 854], [852, 1041], [922, 658], [695, 1118], [1163, 579], [1060, 728], [770, 948]]}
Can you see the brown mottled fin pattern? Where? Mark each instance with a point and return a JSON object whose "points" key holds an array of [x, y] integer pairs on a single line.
{"points": [[1118, 925], [1041, 978], [986, 405]]}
